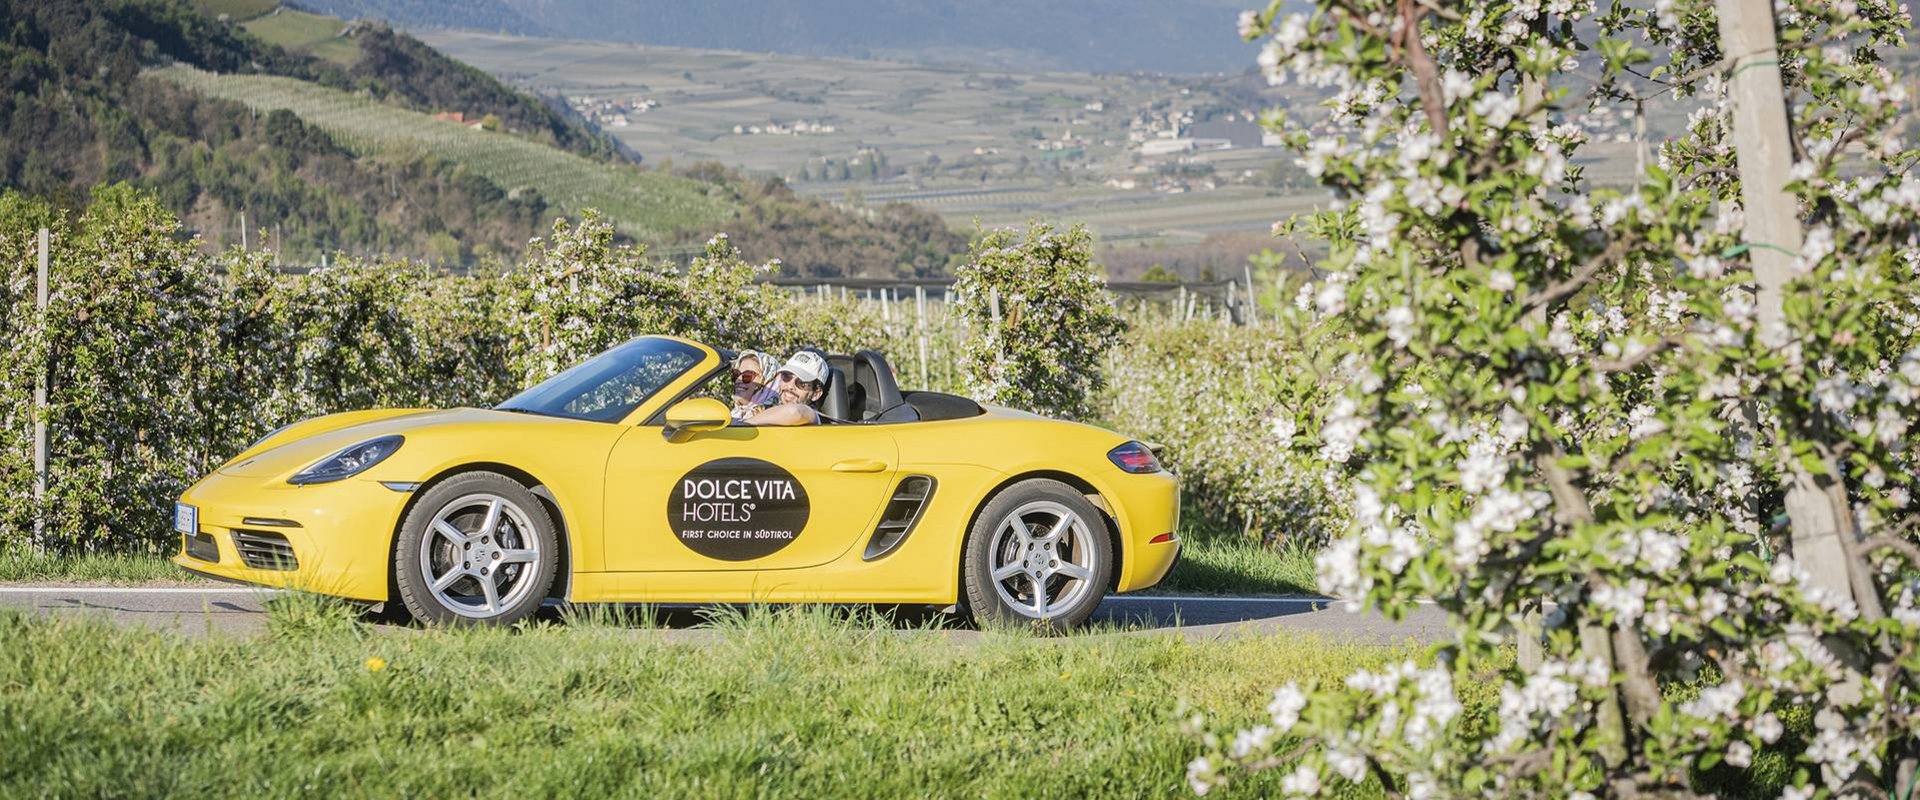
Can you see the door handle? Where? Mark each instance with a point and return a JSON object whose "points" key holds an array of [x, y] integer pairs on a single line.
{"points": [[860, 465]]}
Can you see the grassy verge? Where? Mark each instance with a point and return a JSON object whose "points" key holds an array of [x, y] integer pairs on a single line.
{"points": [[797, 703], [1214, 560], [19, 565]]}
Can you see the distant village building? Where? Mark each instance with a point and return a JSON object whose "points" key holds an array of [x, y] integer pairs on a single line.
{"points": [[1235, 133], [1163, 147], [777, 129]]}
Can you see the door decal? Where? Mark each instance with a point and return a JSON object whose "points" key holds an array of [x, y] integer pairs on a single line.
{"points": [[737, 509]]}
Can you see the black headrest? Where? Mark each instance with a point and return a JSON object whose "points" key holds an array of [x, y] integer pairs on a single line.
{"points": [[877, 392], [834, 402]]}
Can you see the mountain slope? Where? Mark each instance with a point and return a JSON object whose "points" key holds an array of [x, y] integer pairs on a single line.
{"points": [[77, 111], [334, 151], [643, 204]]}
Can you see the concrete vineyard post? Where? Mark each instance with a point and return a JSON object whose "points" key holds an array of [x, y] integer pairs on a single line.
{"points": [[920, 331], [1253, 300], [1764, 151], [40, 399]]}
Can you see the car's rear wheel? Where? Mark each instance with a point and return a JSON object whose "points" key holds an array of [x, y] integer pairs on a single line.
{"points": [[476, 549], [1038, 554]]}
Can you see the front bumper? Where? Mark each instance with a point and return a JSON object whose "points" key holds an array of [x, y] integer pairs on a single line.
{"points": [[331, 538]]}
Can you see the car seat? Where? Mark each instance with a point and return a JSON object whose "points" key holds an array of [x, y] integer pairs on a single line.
{"points": [[833, 404]]}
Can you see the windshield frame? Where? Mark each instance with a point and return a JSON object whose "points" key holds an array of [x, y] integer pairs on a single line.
{"points": [[647, 406]]}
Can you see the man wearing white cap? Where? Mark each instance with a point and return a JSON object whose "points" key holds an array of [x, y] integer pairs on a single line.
{"points": [[801, 382]]}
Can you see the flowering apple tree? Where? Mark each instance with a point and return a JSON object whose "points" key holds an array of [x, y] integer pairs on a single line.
{"points": [[1041, 319], [1570, 404]]}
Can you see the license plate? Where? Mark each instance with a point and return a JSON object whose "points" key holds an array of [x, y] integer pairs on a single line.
{"points": [[186, 519]]}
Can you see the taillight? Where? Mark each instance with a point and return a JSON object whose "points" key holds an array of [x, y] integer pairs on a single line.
{"points": [[1134, 457]]}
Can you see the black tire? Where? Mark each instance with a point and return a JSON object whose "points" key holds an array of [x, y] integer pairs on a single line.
{"points": [[1089, 556], [521, 550]]}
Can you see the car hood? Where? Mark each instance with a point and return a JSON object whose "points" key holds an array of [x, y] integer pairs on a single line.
{"points": [[294, 451]]}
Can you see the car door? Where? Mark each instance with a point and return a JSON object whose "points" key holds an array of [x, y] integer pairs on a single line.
{"points": [[744, 498]]}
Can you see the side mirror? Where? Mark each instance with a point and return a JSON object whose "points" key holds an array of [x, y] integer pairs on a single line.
{"points": [[698, 415]]}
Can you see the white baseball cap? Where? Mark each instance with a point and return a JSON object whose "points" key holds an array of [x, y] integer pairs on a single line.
{"points": [[806, 365]]}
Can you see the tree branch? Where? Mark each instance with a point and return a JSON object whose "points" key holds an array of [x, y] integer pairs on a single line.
{"points": [[1425, 75], [1885, 541], [1629, 362], [1580, 278], [1641, 695]]}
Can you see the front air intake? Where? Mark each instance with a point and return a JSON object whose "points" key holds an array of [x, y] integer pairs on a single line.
{"points": [[902, 513], [200, 546], [265, 550]]}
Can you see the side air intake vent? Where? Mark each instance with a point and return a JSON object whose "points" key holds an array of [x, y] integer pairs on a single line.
{"points": [[265, 550], [902, 513]]}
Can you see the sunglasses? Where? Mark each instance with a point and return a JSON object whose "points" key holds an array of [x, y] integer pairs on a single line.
{"points": [[747, 376]]}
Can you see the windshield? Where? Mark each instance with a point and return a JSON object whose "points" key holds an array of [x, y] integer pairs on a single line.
{"points": [[609, 386]]}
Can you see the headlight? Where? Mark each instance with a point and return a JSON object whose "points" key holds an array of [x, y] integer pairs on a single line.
{"points": [[349, 462]]}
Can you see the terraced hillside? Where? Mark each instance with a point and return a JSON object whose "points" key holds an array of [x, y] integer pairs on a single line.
{"points": [[644, 204]]}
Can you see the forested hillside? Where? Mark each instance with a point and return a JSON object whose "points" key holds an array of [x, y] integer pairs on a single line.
{"points": [[85, 99], [79, 111]]}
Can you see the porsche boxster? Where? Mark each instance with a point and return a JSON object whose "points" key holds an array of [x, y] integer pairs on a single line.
{"points": [[624, 479]]}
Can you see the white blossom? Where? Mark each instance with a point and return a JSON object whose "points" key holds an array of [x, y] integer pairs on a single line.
{"points": [[1399, 321], [1302, 782], [1341, 431], [1288, 702], [1740, 754]]}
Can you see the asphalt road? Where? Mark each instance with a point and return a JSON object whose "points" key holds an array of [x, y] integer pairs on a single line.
{"points": [[200, 610]]}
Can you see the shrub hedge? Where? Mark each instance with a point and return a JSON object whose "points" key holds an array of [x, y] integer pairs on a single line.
{"points": [[161, 360]]}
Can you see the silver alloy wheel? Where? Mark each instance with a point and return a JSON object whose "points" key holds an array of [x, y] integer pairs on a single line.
{"points": [[1041, 559], [480, 555]]}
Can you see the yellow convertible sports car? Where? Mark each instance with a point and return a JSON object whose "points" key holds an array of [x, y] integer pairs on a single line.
{"points": [[624, 479]]}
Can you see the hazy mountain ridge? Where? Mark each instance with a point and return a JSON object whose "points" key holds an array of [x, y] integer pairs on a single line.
{"points": [[1092, 36]]}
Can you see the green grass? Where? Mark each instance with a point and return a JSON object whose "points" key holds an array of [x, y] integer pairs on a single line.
{"points": [[236, 10], [645, 204], [312, 33], [1215, 560], [19, 565], [805, 702]]}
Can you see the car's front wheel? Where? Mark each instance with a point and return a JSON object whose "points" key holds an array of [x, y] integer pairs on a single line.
{"points": [[477, 548], [1037, 554]]}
